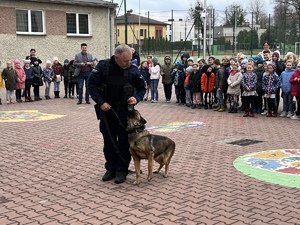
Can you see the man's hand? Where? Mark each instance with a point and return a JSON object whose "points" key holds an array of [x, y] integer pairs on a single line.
{"points": [[132, 101], [105, 107]]}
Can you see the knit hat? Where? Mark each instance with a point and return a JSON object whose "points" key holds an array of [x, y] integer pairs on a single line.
{"points": [[244, 61], [96, 59], [276, 54], [191, 59], [260, 60], [26, 61], [212, 57], [48, 62], [55, 59], [17, 61], [189, 69], [66, 61], [180, 67], [155, 60]]}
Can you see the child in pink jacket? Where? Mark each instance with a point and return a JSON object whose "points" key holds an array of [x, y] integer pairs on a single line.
{"points": [[21, 77]]}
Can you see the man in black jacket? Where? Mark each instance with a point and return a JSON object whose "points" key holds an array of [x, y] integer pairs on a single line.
{"points": [[113, 85]]}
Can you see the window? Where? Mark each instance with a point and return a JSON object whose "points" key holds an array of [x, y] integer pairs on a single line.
{"points": [[118, 33], [78, 24], [30, 22], [141, 32]]}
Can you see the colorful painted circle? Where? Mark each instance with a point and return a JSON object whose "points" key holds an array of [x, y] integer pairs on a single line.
{"points": [[280, 166]]}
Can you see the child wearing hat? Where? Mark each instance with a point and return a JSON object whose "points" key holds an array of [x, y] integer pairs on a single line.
{"points": [[207, 85], [48, 78], [234, 81], [9, 76], [57, 68], [295, 81], [21, 77], [179, 78], [65, 75], [28, 82], [259, 71], [154, 70], [37, 78]]}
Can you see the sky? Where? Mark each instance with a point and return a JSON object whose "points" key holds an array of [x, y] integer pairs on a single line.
{"points": [[161, 9]]}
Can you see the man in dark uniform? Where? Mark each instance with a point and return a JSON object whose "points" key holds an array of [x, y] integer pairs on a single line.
{"points": [[113, 85]]}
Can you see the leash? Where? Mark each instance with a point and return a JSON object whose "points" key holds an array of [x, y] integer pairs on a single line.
{"points": [[112, 140]]}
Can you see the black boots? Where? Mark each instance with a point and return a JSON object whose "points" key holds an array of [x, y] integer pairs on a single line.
{"points": [[56, 94]]}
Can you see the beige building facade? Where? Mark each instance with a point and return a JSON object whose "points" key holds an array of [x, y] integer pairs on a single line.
{"points": [[55, 28]]}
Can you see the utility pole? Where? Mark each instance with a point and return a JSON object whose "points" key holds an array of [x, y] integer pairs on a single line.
{"points": [[125, 22], [204, 30]]}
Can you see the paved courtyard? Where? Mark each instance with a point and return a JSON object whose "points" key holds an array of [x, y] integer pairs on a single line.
{"points": [[51, 164]]}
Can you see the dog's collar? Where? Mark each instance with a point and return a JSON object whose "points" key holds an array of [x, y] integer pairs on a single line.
{"points": [[138, 130]]}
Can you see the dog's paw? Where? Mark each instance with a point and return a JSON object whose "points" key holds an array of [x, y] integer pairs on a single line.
{"points": [[136, 182], [149, 178], [165, 176], [155, 171]]}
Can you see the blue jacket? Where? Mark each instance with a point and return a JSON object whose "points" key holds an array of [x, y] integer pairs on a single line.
{"points": [[285, 77], [29, 75]]}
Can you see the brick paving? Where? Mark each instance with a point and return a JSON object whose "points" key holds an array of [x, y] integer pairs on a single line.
{"points": [[51, 170]]}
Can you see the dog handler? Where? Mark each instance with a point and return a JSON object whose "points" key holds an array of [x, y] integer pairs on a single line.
{"points": [[114, 84]]}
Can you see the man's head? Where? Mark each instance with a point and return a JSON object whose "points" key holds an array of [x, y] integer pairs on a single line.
{"points": [[9, 64], [123, 56], [83, 48], [32, 52]]}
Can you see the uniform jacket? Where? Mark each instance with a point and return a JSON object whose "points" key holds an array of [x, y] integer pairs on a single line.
{"points": [[145, 73], [9, 75], [21, 77], [78, 61], [295, 84], [234, 82], [208, 82], [99, 77], [270, 83]]}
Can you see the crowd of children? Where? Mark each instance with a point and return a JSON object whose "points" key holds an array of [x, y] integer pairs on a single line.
{"points": [[19, 79], [254, 85]]}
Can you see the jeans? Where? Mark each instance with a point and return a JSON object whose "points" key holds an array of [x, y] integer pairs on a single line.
{"points": [[154, 91], [83, 78], [9, 94], [287, 102], [47, 88], [220, 98], [56, 85], [188, 99]]}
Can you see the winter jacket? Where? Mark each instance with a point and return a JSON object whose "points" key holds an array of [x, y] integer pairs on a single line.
{"points": [[37, 75], [166, 72], [279, 66], [249, 81], [270, 83], [234, 82], [57, 69], [9, 75], [186, 55], [72, 78], [220, 78], [65, 72], [21, 77], [295, 84], [208, 82], [29, 75], [195, 79], [179, 77], [145, 73], [285, 77], [136, 56], [154, 72], [259, 71], [48, 74]]}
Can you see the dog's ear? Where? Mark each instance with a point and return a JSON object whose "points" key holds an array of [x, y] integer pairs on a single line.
{"points": [[143, 120]]}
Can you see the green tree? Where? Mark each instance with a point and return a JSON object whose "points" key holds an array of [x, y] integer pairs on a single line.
{"points": [[235, 12]]}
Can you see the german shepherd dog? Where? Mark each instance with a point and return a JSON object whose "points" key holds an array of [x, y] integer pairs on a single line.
{"points": [[144, 145]]}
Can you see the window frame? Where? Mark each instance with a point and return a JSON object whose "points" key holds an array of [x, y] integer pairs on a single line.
{"points": [[77, 34], [29, 32]]}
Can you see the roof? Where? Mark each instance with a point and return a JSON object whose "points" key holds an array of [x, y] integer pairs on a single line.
{"points": [[97, 3], [134, 19]]}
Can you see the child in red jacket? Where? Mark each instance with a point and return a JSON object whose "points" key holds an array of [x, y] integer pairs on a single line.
{"points": [[295, 81]]}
